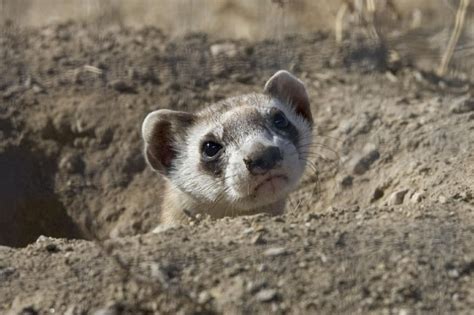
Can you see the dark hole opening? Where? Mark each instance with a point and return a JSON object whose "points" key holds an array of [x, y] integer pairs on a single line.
{"points": [[28, 205]]}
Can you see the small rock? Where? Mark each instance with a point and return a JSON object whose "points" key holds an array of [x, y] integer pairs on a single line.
{"points": [[464, 196], [72, 164], [347, 181], [442, 199], [228, 292], [403, 312], [247, 231], [363, 163], [122, 86], [397, 197], [82, 127], [106, 311], [266, 295], [463, 105], [346, 126], [312, 216], [52, 248], [72, 310], [417, 197], [234, 270], [43, 238], [38, 89], [29, 310], [227, 49], [275, 251], [453, 273], [242, 77], [258, 239], [378, 193], [324, 258], [58, 128], [255, 286], [12, 91], [204, 297], [104, 135], [5, 272]]}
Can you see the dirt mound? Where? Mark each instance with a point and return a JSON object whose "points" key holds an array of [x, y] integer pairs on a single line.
{"points": [[382, 221]]}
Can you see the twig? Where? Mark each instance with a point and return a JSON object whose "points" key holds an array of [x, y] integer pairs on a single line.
{"points": [[453, 40]]}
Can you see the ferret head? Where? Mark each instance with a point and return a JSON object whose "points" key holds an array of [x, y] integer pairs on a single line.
{"points": [[242, 153]]}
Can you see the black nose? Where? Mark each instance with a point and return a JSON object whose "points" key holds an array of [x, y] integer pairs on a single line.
{"points": [[261, 161]]}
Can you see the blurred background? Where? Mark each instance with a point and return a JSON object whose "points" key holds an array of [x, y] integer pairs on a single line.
{"points": [[227, 18], [417, 30]]}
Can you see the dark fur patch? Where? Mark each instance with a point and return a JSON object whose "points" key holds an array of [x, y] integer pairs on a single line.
{"points": [[169, 130], [213, 168], [290, 132]]}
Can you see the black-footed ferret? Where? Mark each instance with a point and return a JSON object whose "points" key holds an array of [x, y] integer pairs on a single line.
{"points": [[242, 155]]}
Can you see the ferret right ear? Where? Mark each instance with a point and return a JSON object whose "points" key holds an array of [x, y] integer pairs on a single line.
{"points": [[161, 131], [290, 90]]}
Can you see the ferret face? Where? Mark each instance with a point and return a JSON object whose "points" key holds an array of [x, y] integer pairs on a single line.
{"points": [[247, 152], [242, 153]]}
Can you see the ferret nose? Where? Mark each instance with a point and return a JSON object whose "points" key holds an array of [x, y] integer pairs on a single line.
{"points": [[263, 160]]}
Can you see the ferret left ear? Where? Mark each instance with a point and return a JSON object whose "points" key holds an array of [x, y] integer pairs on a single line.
{"points": [[163, 130], [290, 90]]}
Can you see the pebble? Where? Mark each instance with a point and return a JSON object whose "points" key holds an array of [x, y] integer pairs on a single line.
{"points": [[258, 239], [255, 286], [204, 297], [105, 135], [106, 311], [453, 273], [463, 105], [312, 216], [72, 164], [30, 310], [266, 295], [403, 312], [275, 251], [5, 272], [442, 199], [378, 193], [122, 86], [363, 163], [12, 91], [417, 197], [347, 181], [227, 49], [397, 197], [52, 248]]}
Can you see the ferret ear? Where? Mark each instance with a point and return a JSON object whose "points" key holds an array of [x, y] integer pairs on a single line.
{"points": [[290, 90], [161, 131]]}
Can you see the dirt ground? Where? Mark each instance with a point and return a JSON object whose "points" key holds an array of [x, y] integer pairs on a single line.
{"points": [[382, 223]]}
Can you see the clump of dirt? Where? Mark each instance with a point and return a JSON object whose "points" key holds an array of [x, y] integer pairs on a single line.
{"points": [[382, 221]]}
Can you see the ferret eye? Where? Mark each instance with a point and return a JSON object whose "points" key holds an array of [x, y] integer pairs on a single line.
{"points": [[210, 149], [280, 121]]}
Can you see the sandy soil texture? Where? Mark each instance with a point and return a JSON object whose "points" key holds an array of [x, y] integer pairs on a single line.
{"points": [[382, 223]]}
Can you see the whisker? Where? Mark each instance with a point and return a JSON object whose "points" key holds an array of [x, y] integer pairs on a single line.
{"points": [[304, 137]]}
